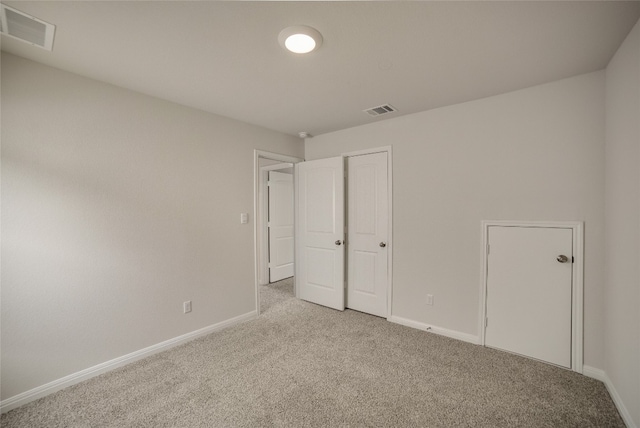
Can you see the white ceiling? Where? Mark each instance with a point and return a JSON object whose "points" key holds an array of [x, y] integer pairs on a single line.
{"points": [[224, 57]]}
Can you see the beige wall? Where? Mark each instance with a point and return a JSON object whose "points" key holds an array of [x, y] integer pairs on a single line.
{"points": [[533, 154], [116, 208], [622, 280]]}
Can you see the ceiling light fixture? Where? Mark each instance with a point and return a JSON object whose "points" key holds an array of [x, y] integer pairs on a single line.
{"points": [[300, 39]]}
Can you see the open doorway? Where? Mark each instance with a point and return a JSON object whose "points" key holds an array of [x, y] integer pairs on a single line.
{"points": [[273, 222], [275, 215]]}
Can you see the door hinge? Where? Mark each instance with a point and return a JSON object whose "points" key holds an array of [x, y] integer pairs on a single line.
{"points": [[486, 322], [488, 249]]}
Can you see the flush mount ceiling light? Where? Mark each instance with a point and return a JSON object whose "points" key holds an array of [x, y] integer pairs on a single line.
{"points": [[300, 39]]}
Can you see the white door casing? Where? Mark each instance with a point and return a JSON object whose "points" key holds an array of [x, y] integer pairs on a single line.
{"points": [[280, 225], [367, 233], [319, 267], [529, 293]]}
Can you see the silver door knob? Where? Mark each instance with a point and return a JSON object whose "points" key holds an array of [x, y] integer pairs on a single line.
{"points": [[562, 258], [338, 242], [382, 244]]}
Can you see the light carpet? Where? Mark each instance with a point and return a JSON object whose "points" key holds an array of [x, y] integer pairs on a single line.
{"points": [[303, 365]]}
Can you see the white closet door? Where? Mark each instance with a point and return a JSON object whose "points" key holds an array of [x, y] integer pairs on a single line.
{"points": [[529, 280], [280, 225], [367, 233], [320, 232]]}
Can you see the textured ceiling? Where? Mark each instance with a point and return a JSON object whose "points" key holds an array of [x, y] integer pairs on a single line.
{"points": [[224, 57]]}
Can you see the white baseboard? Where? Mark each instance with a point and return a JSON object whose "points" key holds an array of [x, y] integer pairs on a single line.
{"points": [[465, 337], [594, 373], [74, 378], [601, 375]]}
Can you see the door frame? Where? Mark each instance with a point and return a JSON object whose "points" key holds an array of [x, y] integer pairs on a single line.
{"points": [[388, 150], [258, 240], [577, 279]]}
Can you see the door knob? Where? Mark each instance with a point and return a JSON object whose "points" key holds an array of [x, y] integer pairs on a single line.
{"points": [[338, 242], [382, 244], [562, 258]]}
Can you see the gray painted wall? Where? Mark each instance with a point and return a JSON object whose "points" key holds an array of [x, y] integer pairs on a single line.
{"points": [[533, 154], [622, 296], [116, 208]]}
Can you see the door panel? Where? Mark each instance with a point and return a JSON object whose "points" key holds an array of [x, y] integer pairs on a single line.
{"points": [[280, 225], [321, 267], [367, 228], [364, 277], [529, 292], [320, 231]]}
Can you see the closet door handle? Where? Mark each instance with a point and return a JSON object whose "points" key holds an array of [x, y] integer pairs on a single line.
{"points": [[382, 244]]}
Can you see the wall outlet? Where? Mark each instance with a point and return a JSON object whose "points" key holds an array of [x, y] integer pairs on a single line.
{"points": [[430, 299], [187, 306]]}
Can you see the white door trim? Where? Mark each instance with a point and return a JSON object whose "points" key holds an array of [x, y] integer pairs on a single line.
{"points": [[388, 151], [257, 241], [577, 303]]}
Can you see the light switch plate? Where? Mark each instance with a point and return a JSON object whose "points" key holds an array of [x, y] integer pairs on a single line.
{"points": [[244, 218]]}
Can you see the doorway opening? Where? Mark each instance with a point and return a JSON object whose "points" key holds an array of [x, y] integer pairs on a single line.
{"points": [[273, 249]]}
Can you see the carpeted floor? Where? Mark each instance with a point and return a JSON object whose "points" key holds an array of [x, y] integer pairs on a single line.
{"points": [[302, 365]]}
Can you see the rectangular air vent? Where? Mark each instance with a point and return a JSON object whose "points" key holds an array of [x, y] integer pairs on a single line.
{"points": [[383, 109], [18, 25]]}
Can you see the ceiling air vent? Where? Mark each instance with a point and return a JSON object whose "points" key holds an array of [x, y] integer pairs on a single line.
{"points": [[18, 25], [383, 109]]}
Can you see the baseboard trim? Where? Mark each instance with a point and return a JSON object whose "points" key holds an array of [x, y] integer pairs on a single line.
{"points": [[602, 376], [465, 337], [594, 373], [74, 378]]}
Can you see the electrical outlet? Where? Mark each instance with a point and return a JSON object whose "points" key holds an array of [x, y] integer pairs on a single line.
{"points": [[187, 306], [430, 299]]}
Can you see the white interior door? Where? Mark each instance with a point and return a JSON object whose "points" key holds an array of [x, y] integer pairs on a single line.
{"points": [[320, 232], [280, 225], [529, 292], [367, 233]]}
